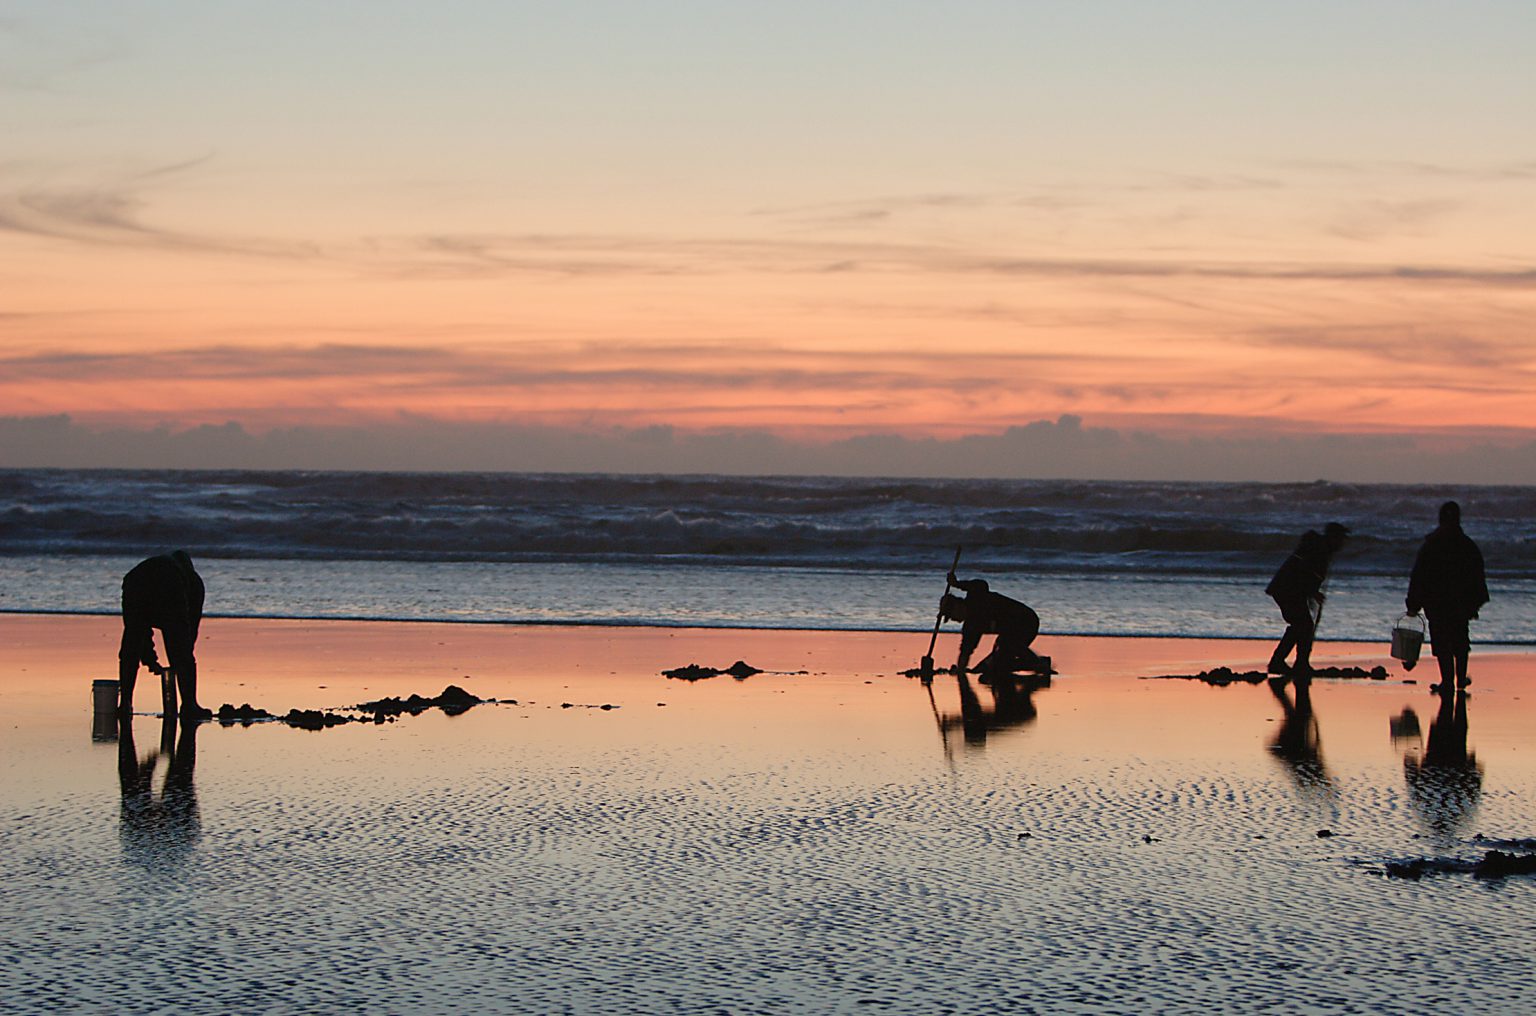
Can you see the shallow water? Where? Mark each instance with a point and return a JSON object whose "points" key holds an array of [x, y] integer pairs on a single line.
{"points": [[1203, 605], [820, 838]]}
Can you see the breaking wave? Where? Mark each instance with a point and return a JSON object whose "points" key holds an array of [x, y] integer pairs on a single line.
{"points": [[773, 521]]}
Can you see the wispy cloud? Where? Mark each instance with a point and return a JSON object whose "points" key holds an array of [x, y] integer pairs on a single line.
{"points": [[115, 213], [1058, 197], [36, 60], [109, 214], [659, 255], [1412, 351], [701, 369], [1523, 170], [1376, 219], [882, 210], [1276, 271]]}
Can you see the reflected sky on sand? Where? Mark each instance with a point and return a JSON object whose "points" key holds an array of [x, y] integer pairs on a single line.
{"points": [[828, 835]]}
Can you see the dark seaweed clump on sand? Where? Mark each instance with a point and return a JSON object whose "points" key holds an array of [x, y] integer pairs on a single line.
{"points": [[453, 701], [304, 719], [1506, 858], [1222, 676], [316, 719], [740, 670], [229, 715]]}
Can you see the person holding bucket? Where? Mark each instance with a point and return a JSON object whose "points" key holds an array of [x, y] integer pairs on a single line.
{"points": [[1450, 585], [1296, 587]]}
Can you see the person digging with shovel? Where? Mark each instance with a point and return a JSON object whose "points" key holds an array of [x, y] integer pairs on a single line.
{"points": [[982, 612], [1297, 590]]}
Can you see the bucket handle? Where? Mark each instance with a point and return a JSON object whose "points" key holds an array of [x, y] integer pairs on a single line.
{"points": [[1415, 617]]}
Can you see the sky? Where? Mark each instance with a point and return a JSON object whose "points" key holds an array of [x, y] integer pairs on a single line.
{"points": [[1180, 240]]}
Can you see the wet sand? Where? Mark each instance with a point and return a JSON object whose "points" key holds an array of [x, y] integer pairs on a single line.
{"points": [[821, 837]]}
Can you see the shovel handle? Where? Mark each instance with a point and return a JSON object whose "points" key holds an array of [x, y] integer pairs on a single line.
{"points": [[928, 660]]}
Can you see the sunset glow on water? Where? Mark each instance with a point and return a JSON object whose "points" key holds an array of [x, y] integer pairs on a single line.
{"points": [[851, 836]]}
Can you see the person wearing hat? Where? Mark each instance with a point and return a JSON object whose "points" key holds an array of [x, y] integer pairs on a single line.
{"points": [[983, 612], [162, 592], [1450, 585], [1297, 585]]}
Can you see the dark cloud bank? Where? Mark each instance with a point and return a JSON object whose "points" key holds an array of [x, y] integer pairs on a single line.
{"points": [[1063, 448]]}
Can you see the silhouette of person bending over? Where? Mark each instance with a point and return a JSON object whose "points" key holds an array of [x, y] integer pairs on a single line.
{"points": [[1450, 585], [1297, 585], [163, 592], [983, 612]]}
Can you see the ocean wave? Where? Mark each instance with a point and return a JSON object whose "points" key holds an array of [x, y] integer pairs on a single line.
{"points": [[783, 521]]}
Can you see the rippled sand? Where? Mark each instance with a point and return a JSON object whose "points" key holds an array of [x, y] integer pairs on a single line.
{"points": [[824, 837]]}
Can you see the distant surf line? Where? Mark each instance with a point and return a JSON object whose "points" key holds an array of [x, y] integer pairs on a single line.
{"points": [[722, 626]]}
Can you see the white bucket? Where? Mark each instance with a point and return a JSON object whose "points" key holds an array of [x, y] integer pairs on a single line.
{"points": [[1406, 642], [104, 696]]}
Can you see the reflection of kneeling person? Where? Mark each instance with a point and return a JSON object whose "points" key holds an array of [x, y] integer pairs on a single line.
{"points": [[983, 612]]}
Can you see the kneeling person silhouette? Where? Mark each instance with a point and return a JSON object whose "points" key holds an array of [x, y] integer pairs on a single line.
{"points": [[983, 612]]}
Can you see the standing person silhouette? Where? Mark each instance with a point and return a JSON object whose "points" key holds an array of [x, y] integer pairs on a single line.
{"points": [[1450, 585], [1297, 585], [162, 592], [983, 612]]}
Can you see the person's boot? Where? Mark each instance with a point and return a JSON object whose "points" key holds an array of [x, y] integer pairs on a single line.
{"points": [[1447, 675], [191, 710], [125, 694]]}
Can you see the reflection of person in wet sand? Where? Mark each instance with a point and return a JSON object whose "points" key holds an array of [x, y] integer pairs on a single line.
{"points": [[1013, 707], [156, 830], [983, 612], [1297, 742], [1445, 782]]}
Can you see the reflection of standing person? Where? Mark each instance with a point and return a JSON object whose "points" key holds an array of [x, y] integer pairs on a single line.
{"points": [[1450, 585], [1446, 782], [1297, 743], [1297, 585], [162, 592], [983, 612]]}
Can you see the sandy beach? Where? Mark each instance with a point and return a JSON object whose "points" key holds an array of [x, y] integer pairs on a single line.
{"points": [[826, 836]]}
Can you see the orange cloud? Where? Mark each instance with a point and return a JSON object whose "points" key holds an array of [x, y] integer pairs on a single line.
{"points": [[814, 322]]}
